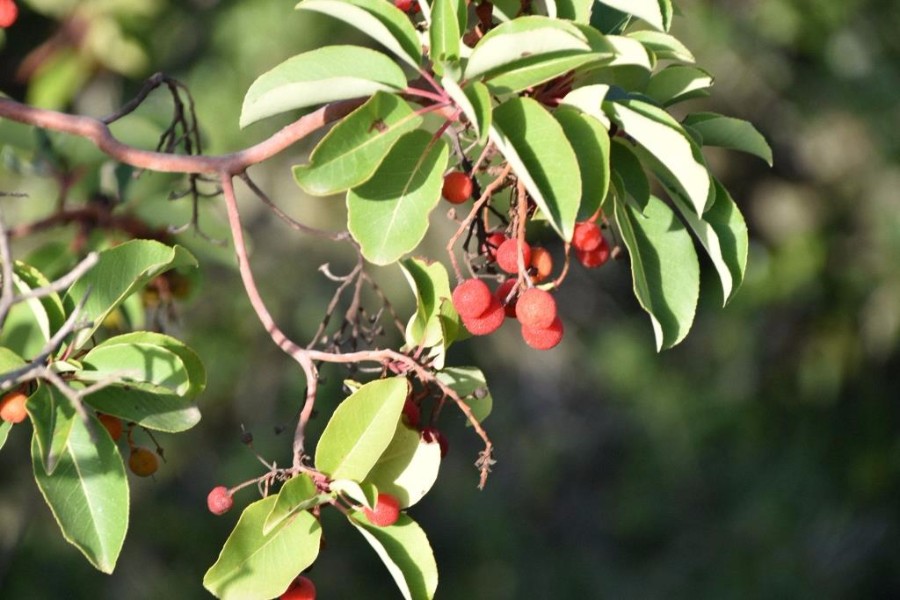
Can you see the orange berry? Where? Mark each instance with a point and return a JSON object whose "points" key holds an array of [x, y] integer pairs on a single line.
{"points": [[543, 339], [385, 513], [302, 588], [487, 323], [219, 500], [12, 407], [143, 462], [536, 308], [508, 255], [471, 298], [112, 424], [457, 187], [502, 294], [587, 236], [542, 263]]}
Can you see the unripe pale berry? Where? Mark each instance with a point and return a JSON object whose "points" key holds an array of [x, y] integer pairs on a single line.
{"points": [[112, 424], [433, 435], [508, 255], [471, 298], [143, 462], [457, 187], [302, 588], [502, 294], [9, 12], [542, 263], [592, 259], [487, 323], [492, 243], [587, 236], [219, 500], [12, 407], [386, 511], [543, 339], [536, 308]]}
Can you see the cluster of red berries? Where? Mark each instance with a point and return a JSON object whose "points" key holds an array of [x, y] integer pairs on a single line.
{"points": [[9, 12], [590, 246]]}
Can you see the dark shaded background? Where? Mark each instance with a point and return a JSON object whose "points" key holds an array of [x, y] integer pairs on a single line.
{"points": [[760, 458]]}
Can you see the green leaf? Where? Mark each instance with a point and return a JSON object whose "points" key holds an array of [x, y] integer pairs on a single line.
{"points": [[444, 31], [678, 83], [320, 76], [535, 145], [5, 428], [87, 494], [628, 167], [351, 152], [629, 52], [408, 467], [589, 100], [728, 132], [663, 45], [191, 363], [574, 10], [475, 102], [535, 70], [405, 551], [668, 143], [9, 360], [435, 323], [382, 21], [648, 10], [257, 566], [388, 214], [52, 415], [298, 493], [361, 428], [120, 272], [471, 386], [664, 267], [30, 324], [590, 141], [144, 363], [148, 406], [364, 494]]}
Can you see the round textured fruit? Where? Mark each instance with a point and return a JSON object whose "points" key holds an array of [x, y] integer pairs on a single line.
{"points": [[508, 255], [12, 407], [112, 424], [432, 435], [536, 309], [491, 244], [502, 294], [471, 298], [8, 13], [487, 323], [542, 263], [302, 588], [457, 187], [143, 462], [543, 339], [587, 236], [219, 500], [594, 258], [385, 513]]}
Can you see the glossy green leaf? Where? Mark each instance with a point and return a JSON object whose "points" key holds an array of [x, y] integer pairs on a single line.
{"points": [[535, 70], [361, 428], [444, 32], [589, 100], [148, 406], [405, 551], [590, 141], [351, 152], [663, 45], [298, 493], [52, 415], [380, 20], [534, 143], [408, 467], [664, 267], [121, 271], [388, 214], [190, 362], [256, 566], [475, 102], [728, 132], [627, 167], [319, 76], [143, 363], [87, 494], [471, 386], [648, 10], [629, 52], [669, 144], [678, 83], [435, 323]]}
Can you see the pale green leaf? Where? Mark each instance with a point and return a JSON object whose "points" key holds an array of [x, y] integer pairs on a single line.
{"points": [[351, 152], [87, 494], [148, 406], [298, 493], [534, 143], [408, 467], [364, 494], [629, 52], [535, 70], [648, 10], [590, 141], [627, 166], [589, 100], [361, 428], [677, 83], [30, 324], [5, 428], [143, 363], [388, 214], [474, 101], [52, 415], [663, 45], [574, 10], [444, 31], [255, 566], [471, 386], [435, 322], [728, 132], [319, 76]]}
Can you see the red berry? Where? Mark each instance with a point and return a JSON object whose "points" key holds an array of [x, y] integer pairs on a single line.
{"points": [[471, 298], [457, 187], [594, 258], [542, 263], [302, 588], [12, 407], [536, 308], [543, 339], [491, 244], [411, 414], [112, 424], [487, 323], [432, 435], [386, 512], [502, 294], [219, 500], [587, 236], [9, 12], [508, 255]]}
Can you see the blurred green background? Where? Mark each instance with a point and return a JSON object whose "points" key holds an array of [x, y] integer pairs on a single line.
{"points": [[760, 458]]}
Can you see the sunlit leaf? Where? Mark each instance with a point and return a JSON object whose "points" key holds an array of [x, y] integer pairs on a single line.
{"points": [[408, 467], [728, 132]]}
